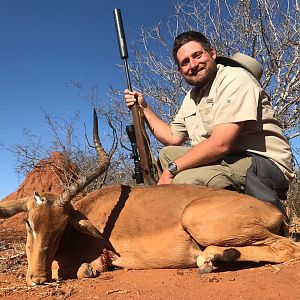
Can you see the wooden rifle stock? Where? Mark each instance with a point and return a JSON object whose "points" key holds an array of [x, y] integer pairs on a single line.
{"points": [[146, 162]]}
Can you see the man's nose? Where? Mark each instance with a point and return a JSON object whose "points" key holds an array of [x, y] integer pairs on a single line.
{"points": [[193, 63]]}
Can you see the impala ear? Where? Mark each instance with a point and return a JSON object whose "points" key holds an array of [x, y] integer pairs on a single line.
{"points": [[39, 199], [83, 224], [10, 208]]}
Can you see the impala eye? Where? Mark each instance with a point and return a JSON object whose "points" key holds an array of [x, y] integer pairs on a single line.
{"points": [[27, 224]]}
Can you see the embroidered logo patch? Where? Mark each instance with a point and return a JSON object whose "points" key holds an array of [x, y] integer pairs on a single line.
{"points": [[209, 100]]}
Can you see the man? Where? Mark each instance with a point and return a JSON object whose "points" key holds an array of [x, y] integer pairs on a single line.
{"points": [[226, 115]]}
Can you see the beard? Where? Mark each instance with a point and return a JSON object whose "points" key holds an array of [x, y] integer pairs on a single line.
{"points": [[201, 77]]}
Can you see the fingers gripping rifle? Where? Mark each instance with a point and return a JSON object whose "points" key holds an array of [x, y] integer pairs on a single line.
{"points": [[145, 166]]}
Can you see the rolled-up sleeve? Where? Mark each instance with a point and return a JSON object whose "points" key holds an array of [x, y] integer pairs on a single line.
{"points": [[178, 126]]}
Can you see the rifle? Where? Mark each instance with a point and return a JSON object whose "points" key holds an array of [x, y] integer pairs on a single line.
{"points": [[145, 165]]}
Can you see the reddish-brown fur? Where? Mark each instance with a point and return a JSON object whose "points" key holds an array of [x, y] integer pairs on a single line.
{"points": [[168, 226]]}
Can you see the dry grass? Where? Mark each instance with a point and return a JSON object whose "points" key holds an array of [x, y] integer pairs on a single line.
{"points": [[12, 250], [293, 201]]}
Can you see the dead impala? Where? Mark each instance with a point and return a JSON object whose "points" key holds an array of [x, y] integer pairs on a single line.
{"points": [[167, 226]]}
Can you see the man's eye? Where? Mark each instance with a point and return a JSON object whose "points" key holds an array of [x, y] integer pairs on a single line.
{"points": [[185, 63]]}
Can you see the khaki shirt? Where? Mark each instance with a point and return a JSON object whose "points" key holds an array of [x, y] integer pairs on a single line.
{"points": [[235, 96]]}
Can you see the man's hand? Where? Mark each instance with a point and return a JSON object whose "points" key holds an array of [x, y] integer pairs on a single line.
{"points": [[166, 177], [133, 97], [159, 128]]}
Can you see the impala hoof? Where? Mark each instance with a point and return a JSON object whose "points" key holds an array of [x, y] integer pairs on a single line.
{"points": [[205, 265], [85, 271]]}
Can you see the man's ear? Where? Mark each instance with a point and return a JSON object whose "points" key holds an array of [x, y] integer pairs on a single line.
{"points": [[179, 69], [213, 53]]}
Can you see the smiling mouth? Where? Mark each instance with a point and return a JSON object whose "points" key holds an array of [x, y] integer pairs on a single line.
{"points": [[197, 72]]}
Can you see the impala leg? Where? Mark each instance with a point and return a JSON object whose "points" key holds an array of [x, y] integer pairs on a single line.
{"points": [[213, 253], [97, 266], [275, 249]]}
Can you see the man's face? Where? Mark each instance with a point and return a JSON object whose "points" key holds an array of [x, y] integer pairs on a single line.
{"points": [[196, 65]]}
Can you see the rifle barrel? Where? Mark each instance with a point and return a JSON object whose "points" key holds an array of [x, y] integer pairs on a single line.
{"points": [[122, 43], [120, 33], [140, 150]]}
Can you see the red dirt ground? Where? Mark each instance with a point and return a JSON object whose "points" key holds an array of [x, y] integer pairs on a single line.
{"points": [[238, 281], [242, 281]]}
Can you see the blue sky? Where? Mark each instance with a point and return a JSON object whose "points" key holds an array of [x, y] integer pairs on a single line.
{"points": [[44, 45], [47, 43]]}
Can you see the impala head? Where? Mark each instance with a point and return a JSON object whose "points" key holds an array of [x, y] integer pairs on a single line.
{"points": [[47, 216], [45, 220]]}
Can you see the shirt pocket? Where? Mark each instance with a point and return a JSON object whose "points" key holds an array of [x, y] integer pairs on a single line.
{"points": [[205, 114], [190, 118], [193, 124]]}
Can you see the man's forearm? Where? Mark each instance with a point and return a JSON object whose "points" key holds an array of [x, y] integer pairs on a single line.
{"points": [[211, 150], [160, 129], [200, 155]]}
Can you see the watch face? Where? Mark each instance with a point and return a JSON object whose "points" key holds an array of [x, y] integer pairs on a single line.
{"points": [[172, 167]]}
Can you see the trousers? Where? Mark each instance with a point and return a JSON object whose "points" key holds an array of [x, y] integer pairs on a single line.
{"points": [[227, 173]]}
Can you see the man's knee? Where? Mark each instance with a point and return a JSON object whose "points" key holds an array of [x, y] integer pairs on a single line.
{"points": [[164, 152], [163, 157], [170, 153]]}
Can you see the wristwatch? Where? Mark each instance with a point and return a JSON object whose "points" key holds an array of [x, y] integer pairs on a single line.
{"points": [[172, 168]]}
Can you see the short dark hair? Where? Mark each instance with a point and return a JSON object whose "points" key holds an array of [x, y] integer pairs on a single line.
{"points": [[189, 36]]}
